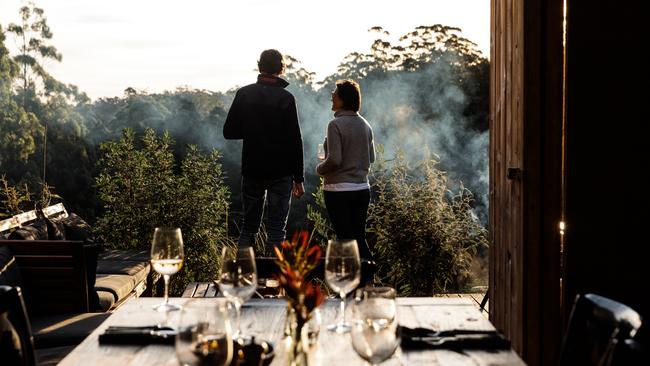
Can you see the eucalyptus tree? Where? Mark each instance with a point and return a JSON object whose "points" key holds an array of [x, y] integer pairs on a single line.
{"points": [[17, 127]]}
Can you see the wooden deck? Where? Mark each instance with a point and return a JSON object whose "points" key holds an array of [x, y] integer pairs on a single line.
{"points": [[208, 289]]}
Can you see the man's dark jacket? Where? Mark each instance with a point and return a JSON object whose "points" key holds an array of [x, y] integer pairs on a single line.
{"points": [[264, 115]]}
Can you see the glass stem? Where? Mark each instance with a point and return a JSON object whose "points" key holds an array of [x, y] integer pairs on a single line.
{"points": [[238, 310], [166, 298], [342, 308]]}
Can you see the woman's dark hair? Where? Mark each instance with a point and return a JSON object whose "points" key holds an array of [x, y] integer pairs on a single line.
{"points": [[350, 93], [271, 62]]}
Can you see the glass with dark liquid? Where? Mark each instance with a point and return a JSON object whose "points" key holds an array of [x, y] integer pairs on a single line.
{"points": [[204, 334]]}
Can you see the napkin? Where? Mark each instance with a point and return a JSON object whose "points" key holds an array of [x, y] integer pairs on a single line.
{"points": [[459, 339], [127, 335]]}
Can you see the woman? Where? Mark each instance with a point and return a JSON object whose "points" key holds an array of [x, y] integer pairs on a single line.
{"points": [[350, 150]]}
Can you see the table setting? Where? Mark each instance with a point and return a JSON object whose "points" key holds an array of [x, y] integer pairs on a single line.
{"points": [[365, 326]]}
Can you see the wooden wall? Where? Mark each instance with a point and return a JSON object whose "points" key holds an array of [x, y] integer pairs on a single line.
{"points": [[525, 175], [506, 151]]}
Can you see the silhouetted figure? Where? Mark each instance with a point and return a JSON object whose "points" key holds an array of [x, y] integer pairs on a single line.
{"points": [[264, 115], [350, 150]]}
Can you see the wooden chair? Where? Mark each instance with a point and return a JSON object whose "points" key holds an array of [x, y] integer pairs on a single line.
{"points": [[594, 324], [53, 273], [14, 314]]}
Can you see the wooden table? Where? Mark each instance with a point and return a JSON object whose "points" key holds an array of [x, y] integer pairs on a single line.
{"points": [[264, 318]]}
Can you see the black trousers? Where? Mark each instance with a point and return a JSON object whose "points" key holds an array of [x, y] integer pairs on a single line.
{"points": [[348, 212]]}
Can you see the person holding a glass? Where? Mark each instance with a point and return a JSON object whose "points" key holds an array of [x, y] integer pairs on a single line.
{"points": [[349, 150]]}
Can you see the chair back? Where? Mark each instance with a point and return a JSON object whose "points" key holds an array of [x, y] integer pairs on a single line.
{"points": [[53, 273], [16, 340], [594, 323]]}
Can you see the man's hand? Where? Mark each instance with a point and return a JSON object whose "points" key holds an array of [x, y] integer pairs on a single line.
{"points": [[298, 189]]}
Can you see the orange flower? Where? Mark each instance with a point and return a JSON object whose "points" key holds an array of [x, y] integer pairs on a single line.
{"points": [[296, 260], [313, 255]]}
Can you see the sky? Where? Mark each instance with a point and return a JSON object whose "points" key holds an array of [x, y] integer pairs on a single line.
{"points": [[158, 45]]}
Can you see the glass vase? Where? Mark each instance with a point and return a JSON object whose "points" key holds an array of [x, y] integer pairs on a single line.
{"points": [[293, 331]]}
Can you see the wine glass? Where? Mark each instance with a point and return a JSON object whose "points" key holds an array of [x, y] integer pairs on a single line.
{"points": [[204, 334], [343, 274], [376, 303], [167, 259], [374, 333], [238, 278], [321, 152]]}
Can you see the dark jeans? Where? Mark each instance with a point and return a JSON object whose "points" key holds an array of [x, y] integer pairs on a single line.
{"points": [[277, 194], [348, 212]]}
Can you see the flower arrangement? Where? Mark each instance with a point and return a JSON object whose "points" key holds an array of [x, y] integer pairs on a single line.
{"points": [[296, 260]]}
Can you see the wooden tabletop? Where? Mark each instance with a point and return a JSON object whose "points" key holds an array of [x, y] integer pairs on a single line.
{"points": [[264, 318]]}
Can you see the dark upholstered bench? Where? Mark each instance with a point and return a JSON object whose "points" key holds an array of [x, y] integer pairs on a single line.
{"points": [[69, 286]]}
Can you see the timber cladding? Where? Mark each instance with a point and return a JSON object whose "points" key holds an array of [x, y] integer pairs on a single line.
{"points": [[526, 175]]}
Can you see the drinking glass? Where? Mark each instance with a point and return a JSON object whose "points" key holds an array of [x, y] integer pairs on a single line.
{"points": [[374, 329], [238, 278], [376, 303], [321, 152], [204, 334], [167, 259], [342, 274]]}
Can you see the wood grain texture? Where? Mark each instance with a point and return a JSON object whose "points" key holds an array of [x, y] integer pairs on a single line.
{"points": [[525, 134], [264, 318]]}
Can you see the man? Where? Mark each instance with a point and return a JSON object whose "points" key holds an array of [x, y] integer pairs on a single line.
{"points": [[264, 115]]}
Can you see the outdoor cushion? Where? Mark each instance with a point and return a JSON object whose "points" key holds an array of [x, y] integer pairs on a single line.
{"points": [[126, 255], [119, 271], [64, 329], [34, 231], [119, 285], [55, 230], [127, 267], [141, 276], [106, 300], [76, 228]]}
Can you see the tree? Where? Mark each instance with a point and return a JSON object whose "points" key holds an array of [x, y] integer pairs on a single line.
{"points": [[33, 36], [17, 127], [141, 186], [425, 236]]}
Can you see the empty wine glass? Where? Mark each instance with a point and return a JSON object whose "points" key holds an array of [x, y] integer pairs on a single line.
{"points": [[167, 259], [238, 278], [374, 333], [204, 334], [343, 274]]}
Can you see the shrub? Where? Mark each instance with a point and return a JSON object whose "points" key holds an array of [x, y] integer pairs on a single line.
{"points": [[424, 235], [320, 225], [16, 199], [141, 187]]}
